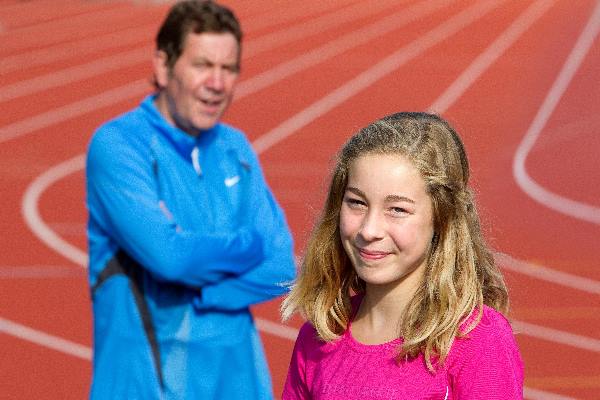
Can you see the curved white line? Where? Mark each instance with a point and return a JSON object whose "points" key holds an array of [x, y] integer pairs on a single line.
{"points": [[30, 212], [576, 209]]}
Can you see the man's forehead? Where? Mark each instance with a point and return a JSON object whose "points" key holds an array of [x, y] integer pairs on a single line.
{"points": [[222, 45]]}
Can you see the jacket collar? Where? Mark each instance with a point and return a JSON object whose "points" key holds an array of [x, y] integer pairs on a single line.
{"points": [[182, 142]]}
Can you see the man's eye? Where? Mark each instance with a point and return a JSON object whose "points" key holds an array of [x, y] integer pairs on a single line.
{"points": [[398, 211]]}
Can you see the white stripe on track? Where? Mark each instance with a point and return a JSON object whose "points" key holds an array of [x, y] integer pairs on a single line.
{"points": [[44, 339], [75, 74], [535, 394], [276, 329], [490, 55], [557, 336], [39, 272], [547, 274], [77, 108], [80, 47], [537, 192], [317, 25]]}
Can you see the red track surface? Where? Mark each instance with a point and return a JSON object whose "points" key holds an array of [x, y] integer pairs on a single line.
{"points": [[313, 73]]}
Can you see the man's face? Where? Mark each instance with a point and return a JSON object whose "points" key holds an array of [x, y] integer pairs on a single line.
{"points": [[198, 88]]}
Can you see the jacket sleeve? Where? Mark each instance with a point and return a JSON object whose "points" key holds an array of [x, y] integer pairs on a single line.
{"points": [[123, 199], [276, 271]]}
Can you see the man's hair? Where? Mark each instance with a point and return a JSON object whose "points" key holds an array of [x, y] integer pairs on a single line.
{"points": [[195, 16], [460, 275]]}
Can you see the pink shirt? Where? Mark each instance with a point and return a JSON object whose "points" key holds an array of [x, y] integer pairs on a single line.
{"points": [[485, 365]]}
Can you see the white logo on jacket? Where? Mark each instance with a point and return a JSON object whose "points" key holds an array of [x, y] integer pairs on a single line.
{"points": [[229, 182]]}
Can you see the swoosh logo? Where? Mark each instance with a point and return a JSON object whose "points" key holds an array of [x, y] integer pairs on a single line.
{"points": [[229, 182]]}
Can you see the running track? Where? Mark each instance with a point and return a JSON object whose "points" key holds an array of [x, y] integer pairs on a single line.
{"points": [[519, 80]]}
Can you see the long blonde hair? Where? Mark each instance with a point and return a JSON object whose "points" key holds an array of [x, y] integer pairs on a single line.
{"points": [[460, 274]]}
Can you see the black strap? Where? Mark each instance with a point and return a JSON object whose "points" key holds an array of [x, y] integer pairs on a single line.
{"points": [[123, 264]]}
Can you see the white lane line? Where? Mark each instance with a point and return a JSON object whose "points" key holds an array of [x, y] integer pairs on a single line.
{"points": [[45, 340], [557, 336], [547, 274], [373, 74], [80, 47], [490, 55], [536, 394], [244, 88], [38, 272], [317, 25], [556, 202], [31, 215], [69, 111], [276, 329], [75, 74]]}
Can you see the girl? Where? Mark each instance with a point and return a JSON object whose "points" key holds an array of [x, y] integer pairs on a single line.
{"points": [[402, 295]]}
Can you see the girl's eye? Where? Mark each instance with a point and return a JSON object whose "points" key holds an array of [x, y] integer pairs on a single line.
{"points": [[354, 202]]}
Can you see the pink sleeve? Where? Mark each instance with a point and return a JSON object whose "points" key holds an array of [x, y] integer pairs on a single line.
{"points": [[487, 365], [296, 386]]}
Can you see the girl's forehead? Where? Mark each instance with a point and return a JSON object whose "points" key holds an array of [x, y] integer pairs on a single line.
{"points": [[385, 173]]}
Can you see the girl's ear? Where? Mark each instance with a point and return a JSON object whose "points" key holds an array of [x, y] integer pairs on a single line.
{"points": [[161, 69]]}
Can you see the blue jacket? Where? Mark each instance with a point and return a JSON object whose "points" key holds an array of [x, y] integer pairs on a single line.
{"points": [[184, 235]]}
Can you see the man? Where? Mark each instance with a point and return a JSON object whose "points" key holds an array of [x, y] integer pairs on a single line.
{"points": [[184, 234]]}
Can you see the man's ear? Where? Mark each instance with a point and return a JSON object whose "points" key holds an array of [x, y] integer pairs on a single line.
{"points": [[161, 69]]}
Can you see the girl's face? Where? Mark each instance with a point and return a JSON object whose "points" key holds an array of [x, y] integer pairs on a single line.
{"points": [[386, 221]]}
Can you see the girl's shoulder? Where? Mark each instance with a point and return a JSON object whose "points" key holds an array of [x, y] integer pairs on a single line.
{"points": [[492, 323], [491, 334], [486, 361], [307, 332]]}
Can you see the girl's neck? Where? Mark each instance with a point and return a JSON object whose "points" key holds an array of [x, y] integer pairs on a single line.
{"points": [[379, 317]]}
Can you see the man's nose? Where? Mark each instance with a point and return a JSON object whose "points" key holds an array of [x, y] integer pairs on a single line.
{"points": [[216, 80]]}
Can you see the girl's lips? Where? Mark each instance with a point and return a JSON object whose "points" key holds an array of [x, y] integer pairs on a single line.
{"points": [[372, 255]]}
